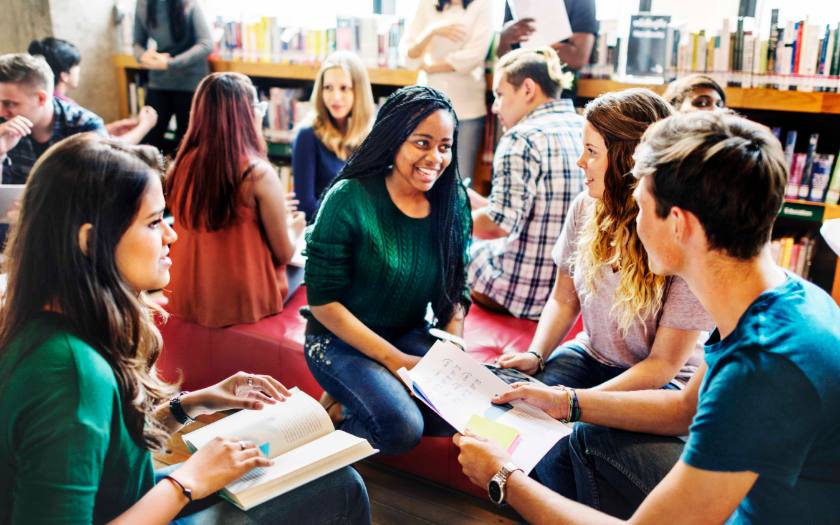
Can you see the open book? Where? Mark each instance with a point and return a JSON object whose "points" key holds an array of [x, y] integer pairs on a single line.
{"points": [[459, 389], [299, 437]]}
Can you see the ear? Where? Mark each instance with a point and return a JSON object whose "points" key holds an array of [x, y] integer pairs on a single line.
{"points": [[43, 97], [530, 89], [84, 237], [63, 77]]}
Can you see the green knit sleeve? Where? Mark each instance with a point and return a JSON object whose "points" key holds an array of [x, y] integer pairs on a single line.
{"points": [[467, 225], [329, 245]]}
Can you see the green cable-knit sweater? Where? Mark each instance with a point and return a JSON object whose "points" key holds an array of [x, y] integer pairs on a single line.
{"points": [[366, 254]]}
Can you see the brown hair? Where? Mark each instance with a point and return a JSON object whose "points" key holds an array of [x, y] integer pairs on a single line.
{"points": [[681, 88], [542, 65], [202, 187], [28, 70], [88, 179], [609, 235], [361, 115], [727, 171]]}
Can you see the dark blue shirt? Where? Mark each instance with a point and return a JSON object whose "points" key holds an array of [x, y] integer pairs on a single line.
{"points": [[770, 404], [68, 119], [314, 167]]}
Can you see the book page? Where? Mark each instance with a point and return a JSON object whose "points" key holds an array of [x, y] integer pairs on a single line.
{"points": [[458, 387], [551, 22], [276, 429], [296, 467]]}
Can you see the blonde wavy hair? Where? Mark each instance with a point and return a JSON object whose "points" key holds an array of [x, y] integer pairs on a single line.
{"points": [[542, 65], [609, 235], [361, 115]]}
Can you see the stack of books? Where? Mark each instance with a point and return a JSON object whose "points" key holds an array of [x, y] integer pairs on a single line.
{"points": [[794, 255], [374, 38], [812, 176]]}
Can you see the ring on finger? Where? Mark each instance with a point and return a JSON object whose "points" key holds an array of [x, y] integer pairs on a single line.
{"points": [[250, 380], [241, 445]]}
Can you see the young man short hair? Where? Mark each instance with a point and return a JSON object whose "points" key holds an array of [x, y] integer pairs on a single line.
{"points": [[31, 118], [764, 437], [535, 179]]}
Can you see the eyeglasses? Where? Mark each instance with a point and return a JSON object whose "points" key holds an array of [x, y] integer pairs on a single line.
{"points": [[260, 108]]}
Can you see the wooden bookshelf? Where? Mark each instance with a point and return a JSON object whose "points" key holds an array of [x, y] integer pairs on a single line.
{"points": [[378, 76], [737, 98]]}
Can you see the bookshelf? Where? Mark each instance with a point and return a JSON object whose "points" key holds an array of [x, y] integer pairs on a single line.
{"points": [[304, 72], [736, 98]]}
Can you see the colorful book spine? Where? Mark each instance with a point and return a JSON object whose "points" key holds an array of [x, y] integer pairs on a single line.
{"points": [[832, 196], [805, 183], [795, 178], [820, 175]]}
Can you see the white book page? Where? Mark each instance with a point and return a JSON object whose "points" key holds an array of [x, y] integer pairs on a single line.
{"points": [[298, 259], [306, 456], [281, 427], [551, 22], [457, 387]]}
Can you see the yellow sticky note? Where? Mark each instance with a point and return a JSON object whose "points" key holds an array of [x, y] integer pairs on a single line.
{"points": [[505, 436]]}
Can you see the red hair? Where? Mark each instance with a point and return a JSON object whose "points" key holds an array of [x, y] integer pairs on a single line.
{"points": [[203, 184]]}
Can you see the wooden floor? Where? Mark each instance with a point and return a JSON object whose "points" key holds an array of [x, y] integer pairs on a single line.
{"points": [[396, 498]]}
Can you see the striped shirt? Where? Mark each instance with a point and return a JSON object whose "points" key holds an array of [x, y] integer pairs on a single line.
{"points": [[535, 179], [68, 119]]}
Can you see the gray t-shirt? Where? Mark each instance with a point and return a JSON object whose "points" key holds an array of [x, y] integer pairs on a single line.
{"points": [[601, 337]]}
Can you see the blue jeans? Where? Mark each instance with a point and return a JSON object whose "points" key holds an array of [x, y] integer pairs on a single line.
{"points": [[337, 498], [470, 133], [607, 469], [376, 404]]}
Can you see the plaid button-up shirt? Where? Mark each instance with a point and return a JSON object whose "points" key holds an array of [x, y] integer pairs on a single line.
{"points": [[535, 179], [68, 119]]}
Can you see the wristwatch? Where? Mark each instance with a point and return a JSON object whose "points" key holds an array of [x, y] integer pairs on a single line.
{"points": [[496, 485]]}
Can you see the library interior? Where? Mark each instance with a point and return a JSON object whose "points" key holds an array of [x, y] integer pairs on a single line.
{"points": [[588, 270]]}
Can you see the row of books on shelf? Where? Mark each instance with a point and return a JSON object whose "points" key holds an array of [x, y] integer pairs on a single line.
{"points": [[794, 255], [799, 55], [374, 38], [810, 175]]}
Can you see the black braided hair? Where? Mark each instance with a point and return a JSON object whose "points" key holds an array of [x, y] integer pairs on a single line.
{"points": [[441, 4], [396, 120]]}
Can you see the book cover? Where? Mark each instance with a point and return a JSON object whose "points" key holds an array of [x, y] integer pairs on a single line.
{"points": [[805, 183], [820, 174], [790, 144], [296, 434], [833, 193], [795, 176]]}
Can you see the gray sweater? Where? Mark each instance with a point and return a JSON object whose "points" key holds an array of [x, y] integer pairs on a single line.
{"points": [[189, 54]]}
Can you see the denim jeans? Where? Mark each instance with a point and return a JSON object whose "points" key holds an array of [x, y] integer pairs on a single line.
{"points": [[607, 469], [337, 498], [377, 405], [470, 133]]}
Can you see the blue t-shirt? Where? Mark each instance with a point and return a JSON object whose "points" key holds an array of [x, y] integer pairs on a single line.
{"points": [[313, 168], [770, 404]]}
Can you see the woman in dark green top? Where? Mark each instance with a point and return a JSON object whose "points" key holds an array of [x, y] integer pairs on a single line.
{"points": [[80, 403], [389, 239]]}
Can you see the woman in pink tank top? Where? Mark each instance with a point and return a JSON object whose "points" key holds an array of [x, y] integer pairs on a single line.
{"points": [[230, 212]]}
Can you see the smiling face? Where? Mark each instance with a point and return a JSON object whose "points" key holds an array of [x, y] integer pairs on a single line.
{"points": [[426, 153], [337, 93], [142, 254], [594, 161]]}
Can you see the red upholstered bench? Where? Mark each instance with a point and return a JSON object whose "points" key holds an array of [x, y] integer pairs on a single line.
{"points": [[274, 346]]}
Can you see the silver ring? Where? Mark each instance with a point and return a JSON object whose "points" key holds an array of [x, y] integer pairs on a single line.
{"points": [[250, 380], [241, 445]]}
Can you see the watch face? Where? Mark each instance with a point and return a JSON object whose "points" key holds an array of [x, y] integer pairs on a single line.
{"points": [[494, 490]]}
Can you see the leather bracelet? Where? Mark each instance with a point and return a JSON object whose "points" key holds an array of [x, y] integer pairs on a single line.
{"points": [[539, 358], [178, 411], [184, 490]]}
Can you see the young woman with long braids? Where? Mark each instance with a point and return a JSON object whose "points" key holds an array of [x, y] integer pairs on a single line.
{"points": [[389, 239], [80, 403]]}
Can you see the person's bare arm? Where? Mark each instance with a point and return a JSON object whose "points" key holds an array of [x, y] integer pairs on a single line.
{"points": [[671, 349], [271, 205], [575, 51]]}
